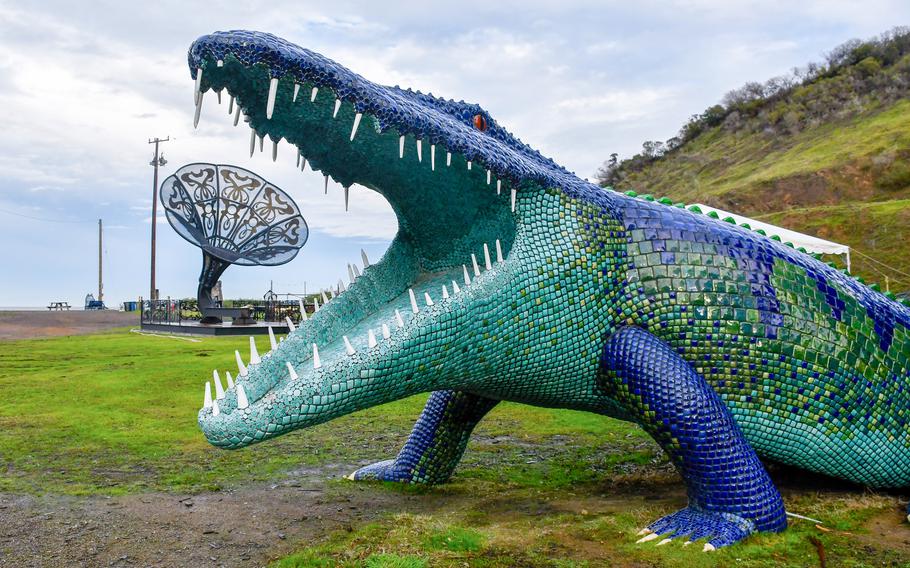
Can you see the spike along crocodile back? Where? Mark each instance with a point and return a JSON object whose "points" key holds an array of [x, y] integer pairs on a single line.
{"points": [[512, 279]]}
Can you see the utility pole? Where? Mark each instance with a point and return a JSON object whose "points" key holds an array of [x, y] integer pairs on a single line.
{"points": [[100, 285], [156, 161]]}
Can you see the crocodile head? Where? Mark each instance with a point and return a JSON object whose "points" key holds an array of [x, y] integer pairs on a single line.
{"points": [[428, 315]]}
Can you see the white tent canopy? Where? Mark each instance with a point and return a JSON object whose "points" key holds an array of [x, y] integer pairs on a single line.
{"points": [[808, 242]]}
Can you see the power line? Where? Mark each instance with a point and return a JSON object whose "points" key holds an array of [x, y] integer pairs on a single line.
{"points": [[41, 218]]}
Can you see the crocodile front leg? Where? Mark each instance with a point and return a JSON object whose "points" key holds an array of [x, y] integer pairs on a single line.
{"points": [[730, 493], [437, 441]]}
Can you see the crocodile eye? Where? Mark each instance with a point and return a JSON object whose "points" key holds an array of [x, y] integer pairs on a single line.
{"points": [[480, 122]]}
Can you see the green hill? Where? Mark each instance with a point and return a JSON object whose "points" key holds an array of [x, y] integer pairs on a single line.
{"points": [[825, 151]]}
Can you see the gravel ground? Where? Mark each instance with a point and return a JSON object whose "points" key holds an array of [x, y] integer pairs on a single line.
{"points": [[30, 324]]}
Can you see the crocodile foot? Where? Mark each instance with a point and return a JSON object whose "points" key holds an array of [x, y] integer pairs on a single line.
{"points": [[720, 529], [386, 470]]}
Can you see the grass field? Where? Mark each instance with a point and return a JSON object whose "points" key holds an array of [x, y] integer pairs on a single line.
{"points": [[114, 414]]}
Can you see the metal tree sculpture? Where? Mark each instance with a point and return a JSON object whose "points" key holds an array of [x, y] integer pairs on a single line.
{"points": [[235, 217]]}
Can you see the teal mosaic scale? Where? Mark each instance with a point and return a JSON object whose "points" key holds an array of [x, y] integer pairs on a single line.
{"points": [[512, 279]]}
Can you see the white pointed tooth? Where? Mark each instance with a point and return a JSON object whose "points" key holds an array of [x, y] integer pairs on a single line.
{"points": [[469, 165], [433, 157], [498, 187], [316, 362], [357, 118], [290, 323], [455, 288], [237, 115], [445, 292], [218, 94], [330, 293], [197, 88], [513, 200], [198, 110], [291, 372], [448, 159], [296, 92], [498, 251], [347, 196], [302, 163], [414, 307], [242, 401], [252, 142], [371, 339], [229, 379], [261, 142], [488, 177], [341, 287], [241, 368], [219, 63], [231, 105], [401, 146], [419, 150], [254, 353], [302, 309], [337, 106], [427, 298], [467, 279], [207, 401], [326, 184], [356, 271], [363, 257], [215, 410], [325, 299], [274, 150], [219, 390], [273, 92], [350, 273], [486, 257], [347, 345], [385, 332], [476, 266], [315, 305], [298, 160], [647, 538], [313, 94], [398, 319]]}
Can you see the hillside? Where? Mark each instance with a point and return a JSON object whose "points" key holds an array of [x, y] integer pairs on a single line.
{"points": [[825, 151]]}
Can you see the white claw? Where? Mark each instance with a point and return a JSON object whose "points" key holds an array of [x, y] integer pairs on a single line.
{"points": [[291, 372], [513, 193], [498, 187], [274, 150], [347, 345], [290, 323], [254, 353], [241, 368], [219, 390], [313, 94], [433, 157], [708, 547], [498, 251], [273, 343], [647, 538], [414, 307], [399, 319], [419, 150], [198, 110], [363, 257], [687, 543], [401, 147], [665, 541], [337, 106], [467, 279], [357, 118], [427, 298], [371, 339], [219, 63], [476, 266], [486, 257], [455, 288], [197, 90], [215, 410], [356, 271], [273, 92], [489, 177], [252, 142], [448, 159], [302, 309], [445, 292], [296, 92], [385, 332], [644, 532], [316, 362], [229, 379], [350, 273], [469, 165], [207, 401], [242, 401], [237, 115], [341, 287]]}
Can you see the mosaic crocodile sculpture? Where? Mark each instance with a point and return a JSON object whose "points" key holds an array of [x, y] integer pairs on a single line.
{"points": [[512, 279]]}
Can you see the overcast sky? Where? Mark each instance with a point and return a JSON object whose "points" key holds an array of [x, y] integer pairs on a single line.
{"points": [[84, 85]]}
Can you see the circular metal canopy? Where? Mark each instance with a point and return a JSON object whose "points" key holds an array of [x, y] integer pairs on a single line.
{"points": [[233, 214]]}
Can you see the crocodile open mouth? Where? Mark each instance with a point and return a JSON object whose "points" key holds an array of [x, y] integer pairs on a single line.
{"points": [[441, 166]]}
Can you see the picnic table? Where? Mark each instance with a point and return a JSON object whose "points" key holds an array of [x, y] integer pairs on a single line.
{"points": [[58, 306]]}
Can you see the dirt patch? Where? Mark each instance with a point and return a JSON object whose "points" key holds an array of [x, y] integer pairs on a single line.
{"points": [[31, 324]]}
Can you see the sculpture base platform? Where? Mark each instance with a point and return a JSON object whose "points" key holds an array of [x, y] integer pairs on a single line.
{"points": [[196, 328]]}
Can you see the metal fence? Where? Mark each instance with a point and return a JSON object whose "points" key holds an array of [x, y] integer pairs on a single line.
{"points": [[170, 311]]}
